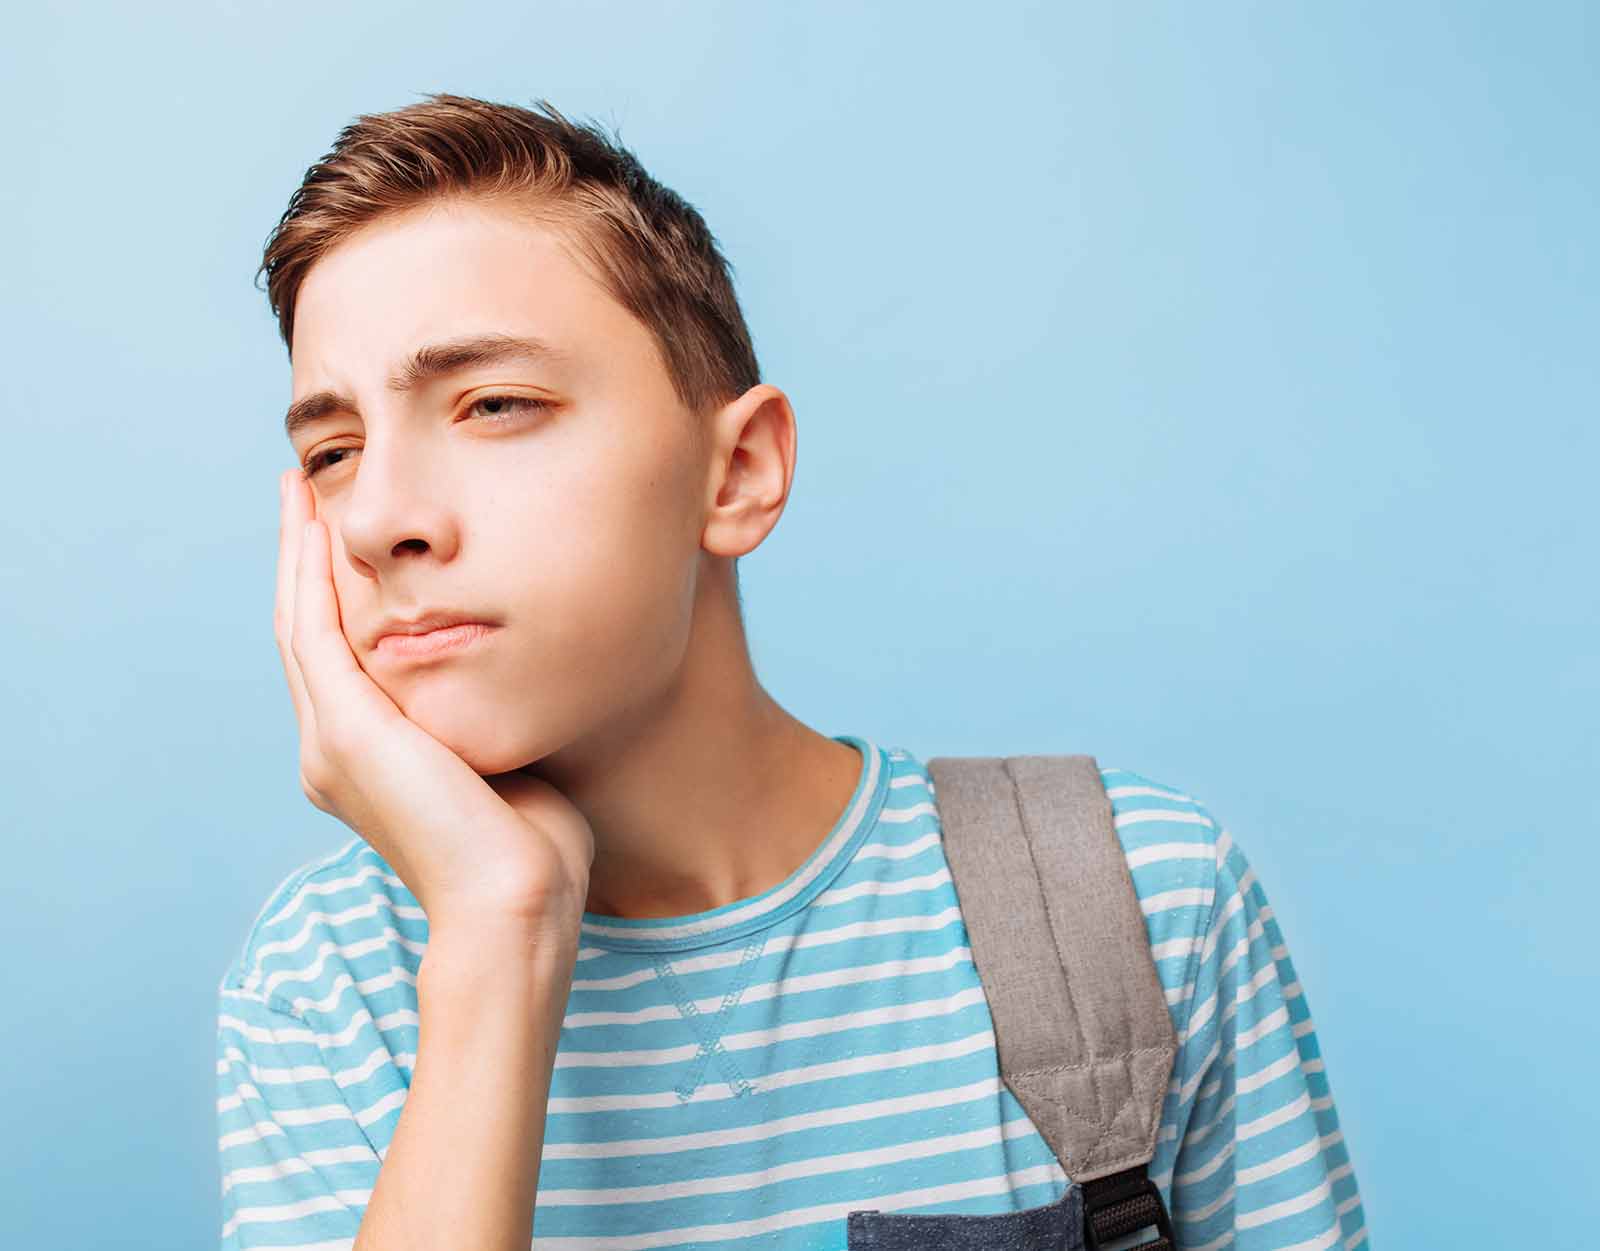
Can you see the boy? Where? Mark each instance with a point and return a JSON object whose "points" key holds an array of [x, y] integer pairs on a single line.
{"points": [[624, 955]]}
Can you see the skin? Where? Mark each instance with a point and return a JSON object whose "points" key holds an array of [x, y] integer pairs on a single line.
{"points": [[598, 534]]}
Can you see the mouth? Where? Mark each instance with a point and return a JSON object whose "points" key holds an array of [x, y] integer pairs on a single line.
{"points": [[429, 643]]}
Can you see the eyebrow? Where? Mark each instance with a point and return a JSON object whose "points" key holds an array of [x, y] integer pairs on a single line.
{"points": [[427, 363]]}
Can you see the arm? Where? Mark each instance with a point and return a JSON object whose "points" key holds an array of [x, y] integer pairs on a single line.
{"points": [[500, 866], [1263, 1164], [461, 1167]]}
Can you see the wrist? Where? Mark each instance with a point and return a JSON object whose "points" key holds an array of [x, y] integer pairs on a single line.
{"points": [[500, 949]]}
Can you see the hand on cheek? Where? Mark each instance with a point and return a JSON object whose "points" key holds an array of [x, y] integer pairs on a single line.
{"points": [[472, 850]]}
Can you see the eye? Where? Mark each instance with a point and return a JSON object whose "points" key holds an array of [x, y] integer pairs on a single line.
{"points": [[317, 463], [499, 410], [504, 405]]}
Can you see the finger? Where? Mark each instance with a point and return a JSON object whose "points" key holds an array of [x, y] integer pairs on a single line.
{"points": [[293, 513], [327, 665]]}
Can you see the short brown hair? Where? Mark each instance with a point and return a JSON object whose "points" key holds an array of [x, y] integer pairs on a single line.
{"points": [[649, 248]]}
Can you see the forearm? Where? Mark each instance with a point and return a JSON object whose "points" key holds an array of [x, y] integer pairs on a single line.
{"points": [[462, 1169]]}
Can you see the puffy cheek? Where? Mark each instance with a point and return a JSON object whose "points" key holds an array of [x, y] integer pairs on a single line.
{"points": [[597, 586], [604, 606], [641, 556], [636, 597]]}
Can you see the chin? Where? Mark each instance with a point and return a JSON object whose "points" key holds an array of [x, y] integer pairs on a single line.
{"points": [[481, 732]]}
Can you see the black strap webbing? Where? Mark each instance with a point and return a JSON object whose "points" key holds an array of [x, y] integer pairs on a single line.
{"points": [[1118, 1205]]}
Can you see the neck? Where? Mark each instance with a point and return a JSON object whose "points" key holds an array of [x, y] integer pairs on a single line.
{"points": [[707, 791]]}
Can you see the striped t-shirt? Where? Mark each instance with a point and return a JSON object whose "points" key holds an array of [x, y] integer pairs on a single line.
{"points": [[745, 1077]]}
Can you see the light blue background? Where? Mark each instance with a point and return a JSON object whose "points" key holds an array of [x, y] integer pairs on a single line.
{"points": [[1208, 388]]}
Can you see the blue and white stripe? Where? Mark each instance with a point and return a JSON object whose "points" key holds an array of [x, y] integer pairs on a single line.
{"points": [[747, 1076]]}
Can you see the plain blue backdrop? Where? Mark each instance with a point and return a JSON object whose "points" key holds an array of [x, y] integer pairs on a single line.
{"points": [[1208, 388]]}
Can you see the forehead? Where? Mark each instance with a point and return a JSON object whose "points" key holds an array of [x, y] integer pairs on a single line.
{"points": [[444, 271]]}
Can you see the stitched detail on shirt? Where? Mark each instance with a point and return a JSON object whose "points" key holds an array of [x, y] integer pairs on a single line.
{"points": [[710, 1031]]}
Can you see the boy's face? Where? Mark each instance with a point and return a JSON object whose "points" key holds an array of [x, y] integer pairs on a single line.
{"points": [[576, 528]]}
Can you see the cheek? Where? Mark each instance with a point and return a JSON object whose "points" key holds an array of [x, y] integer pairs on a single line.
{"points": [[638, 566], [635, 519], [628, 560]]}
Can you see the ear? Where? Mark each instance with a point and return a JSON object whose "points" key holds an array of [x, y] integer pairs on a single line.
{"points": [[751, 443]]}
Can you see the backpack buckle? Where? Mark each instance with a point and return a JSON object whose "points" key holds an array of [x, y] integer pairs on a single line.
{"points": [[1122, 1203]]}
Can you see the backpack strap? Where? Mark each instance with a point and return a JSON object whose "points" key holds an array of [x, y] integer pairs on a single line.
{"points": [[1084, 1036]]}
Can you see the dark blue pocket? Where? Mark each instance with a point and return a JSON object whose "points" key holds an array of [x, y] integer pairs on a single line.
{"points": [[1054, 1226]]}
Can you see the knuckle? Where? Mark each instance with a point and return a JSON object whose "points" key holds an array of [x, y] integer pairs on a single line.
{"points": [[316, 778], [312, 793]]}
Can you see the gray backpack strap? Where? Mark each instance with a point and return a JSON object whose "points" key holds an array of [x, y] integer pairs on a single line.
{"points": [[1081, 1023]]}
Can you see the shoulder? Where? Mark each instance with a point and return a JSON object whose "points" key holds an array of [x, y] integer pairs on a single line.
{"points": [[1169, 837], [1175, 851], [335, 922]]}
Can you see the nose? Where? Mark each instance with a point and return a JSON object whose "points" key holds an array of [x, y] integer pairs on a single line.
{"points": [[396, 506]]}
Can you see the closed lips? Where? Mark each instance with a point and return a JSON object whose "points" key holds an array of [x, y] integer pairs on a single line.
{"points": [[427, 624]]}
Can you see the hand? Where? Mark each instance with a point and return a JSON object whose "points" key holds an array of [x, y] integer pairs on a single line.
{"points": [[509, 848]]}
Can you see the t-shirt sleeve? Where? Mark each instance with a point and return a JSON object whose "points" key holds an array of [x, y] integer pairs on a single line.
{"points": [[1262, 1165], [297, 1168]]}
